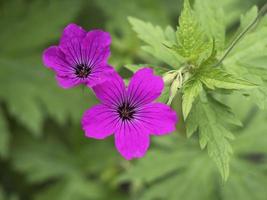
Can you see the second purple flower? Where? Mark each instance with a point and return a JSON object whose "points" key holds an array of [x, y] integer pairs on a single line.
{"points": [[80, 58]]}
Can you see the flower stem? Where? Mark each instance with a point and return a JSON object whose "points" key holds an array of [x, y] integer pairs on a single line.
{"points": [[242, 34]]}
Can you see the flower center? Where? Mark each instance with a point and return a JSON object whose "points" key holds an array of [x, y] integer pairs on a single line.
{"points": [[126, 112], [82, 71]]}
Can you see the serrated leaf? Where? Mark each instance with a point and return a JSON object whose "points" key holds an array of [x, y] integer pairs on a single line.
{"points": [[192, 42], [188, 179], [155, 38], [251, 48], [191, 90], [157, 158], [255, 69], [252, 45], [212, 17], [224, 113], [195, 174], [212, 134], [247, 166], [214, 77], [174, 167]]}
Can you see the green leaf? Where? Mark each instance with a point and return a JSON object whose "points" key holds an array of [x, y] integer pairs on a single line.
{"points": [[212, 18], [248, 168], [212, 134], [155, 38], [224, 112], [157, 69], [157, 158], [256, 70], [252, 139], [181, 165], [4, 135], [192, 42], [39, 95], [191, 90], [125, 45], [246, 19], [247, 181], [253, 45], [39, 22], [214, 77], [69, 189], [261, 72], [248, 177], [242, 61], [249, 50], [186, 180], [66, 166]]}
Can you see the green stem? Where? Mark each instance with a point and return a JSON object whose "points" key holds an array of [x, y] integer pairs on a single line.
{"points": [[242, 34]]}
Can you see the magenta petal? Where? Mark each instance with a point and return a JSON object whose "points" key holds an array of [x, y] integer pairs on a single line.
{"points": [[111, 92], [99, 122], [54, 58], [70, 43], [144, 87], [72, 51], [95, 48], [158, 118], [131, 141], [98, 38], [67, 82], [72, 31], [103, 74]]}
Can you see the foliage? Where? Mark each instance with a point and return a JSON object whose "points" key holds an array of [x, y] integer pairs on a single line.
{"points": [[191, 40], [72, 174], [43, 153], [183, 171], [155, 37], [201, 72]]}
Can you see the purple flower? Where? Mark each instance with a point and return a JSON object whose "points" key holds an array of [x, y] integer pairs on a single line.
{"points": [[130, 113], [80, 58]]}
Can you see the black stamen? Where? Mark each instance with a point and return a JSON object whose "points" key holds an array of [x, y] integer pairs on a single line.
{"points": [[126, 112], [82, 70]]}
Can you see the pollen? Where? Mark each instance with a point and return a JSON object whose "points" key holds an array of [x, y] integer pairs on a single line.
{"points": [[82, 71], [126, 112]]}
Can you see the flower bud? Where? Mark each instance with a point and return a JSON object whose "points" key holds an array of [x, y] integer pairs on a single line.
{"points": [[169, 77]]}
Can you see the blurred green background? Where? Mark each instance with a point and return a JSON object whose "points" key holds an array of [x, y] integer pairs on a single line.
{"points": [[43, 152]]}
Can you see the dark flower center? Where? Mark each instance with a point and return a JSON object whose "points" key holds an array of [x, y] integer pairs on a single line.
{"points": [[82, 71], [126, 112]]}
